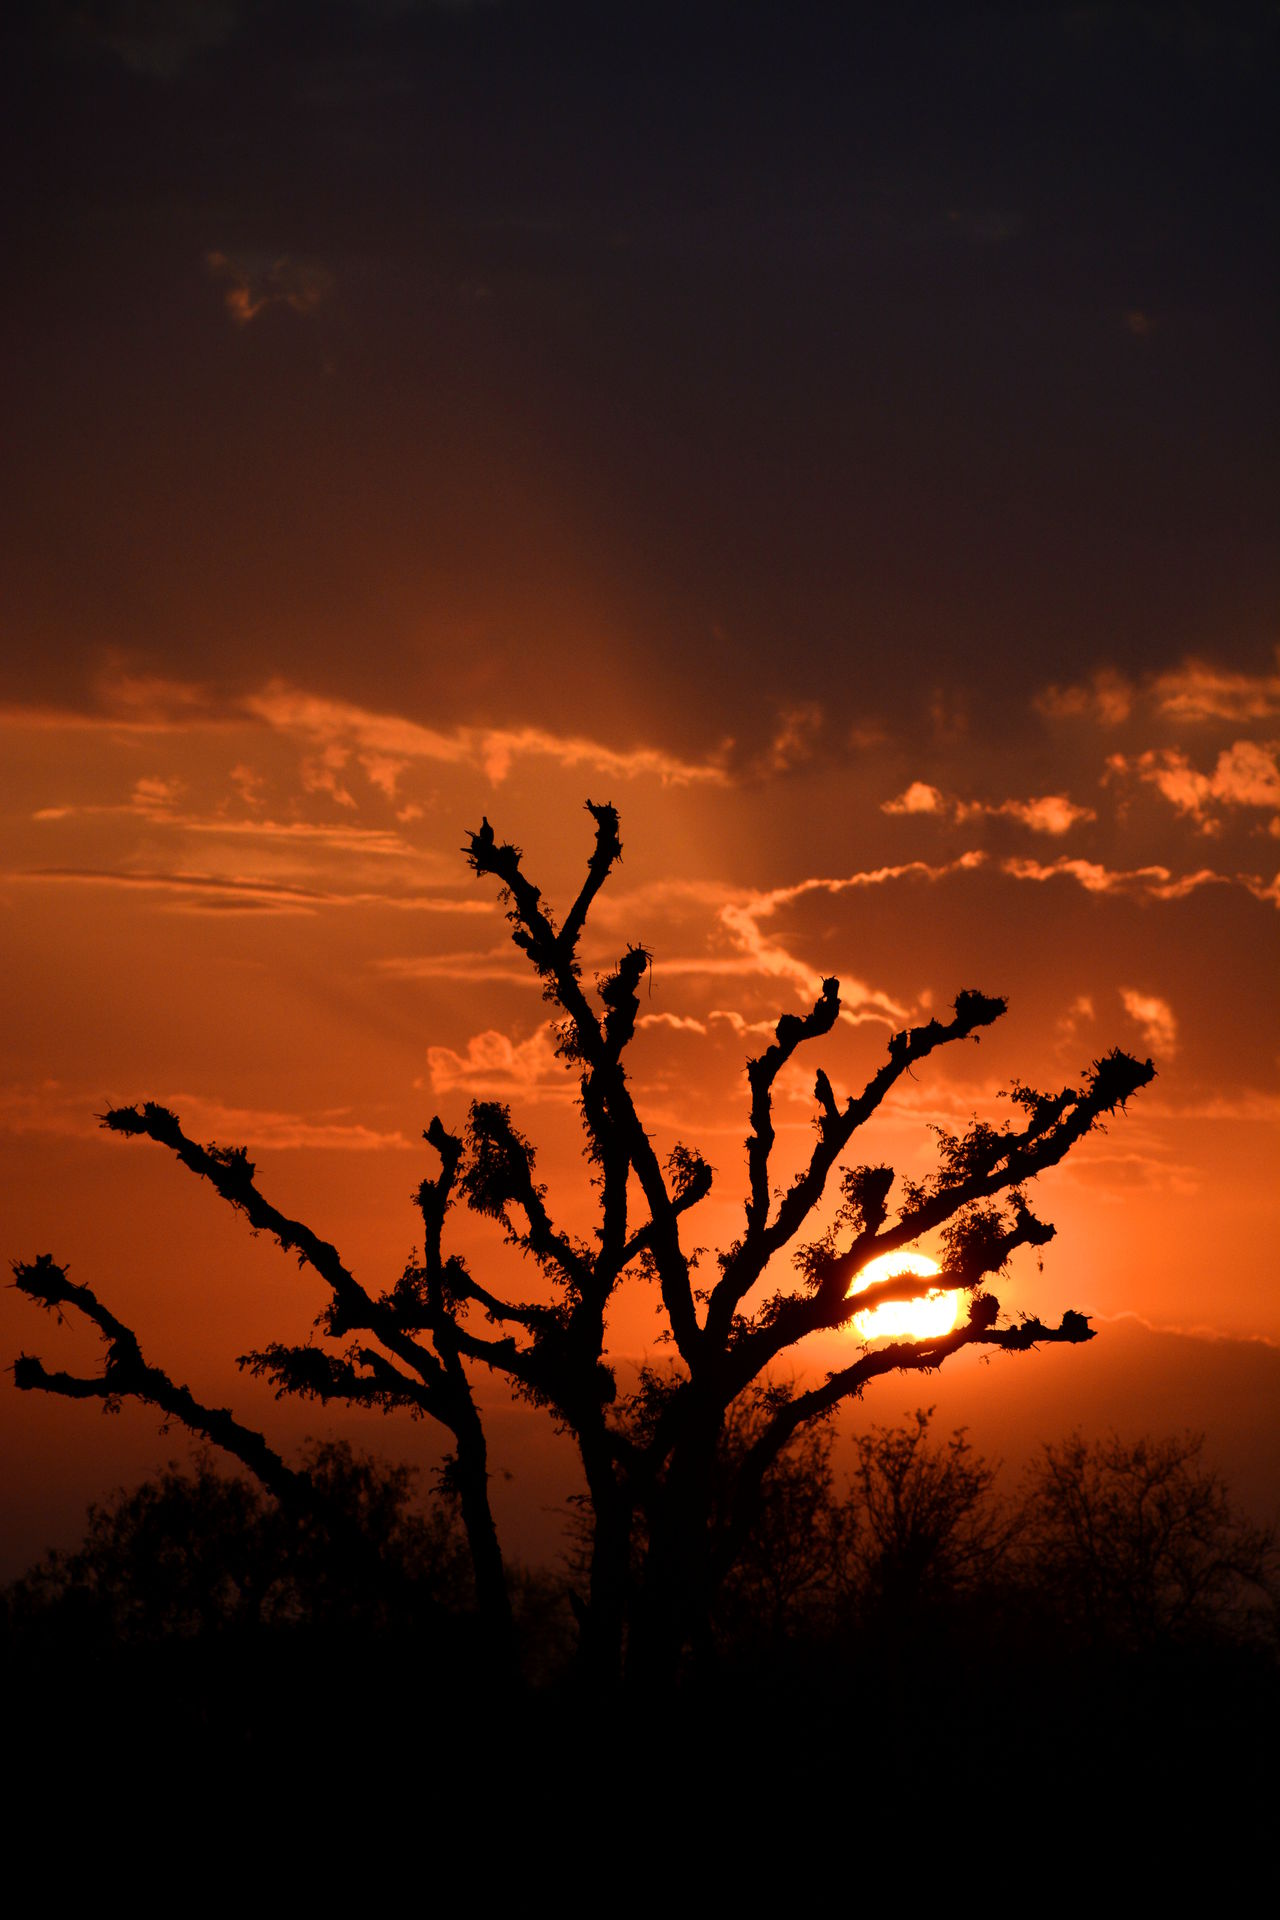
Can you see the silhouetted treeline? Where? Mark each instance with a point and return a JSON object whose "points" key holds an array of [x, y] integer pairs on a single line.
{"points": [[1116, 1599]]}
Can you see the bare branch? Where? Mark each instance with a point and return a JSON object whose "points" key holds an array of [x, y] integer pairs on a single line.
{"points": [[761, 1074], [746, 1262], [920, 1356], [126, 1375], [534, 934], [230, 1172], [606, 854]]}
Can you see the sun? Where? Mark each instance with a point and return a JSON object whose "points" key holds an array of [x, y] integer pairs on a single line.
{"points": [[922, 1319]]}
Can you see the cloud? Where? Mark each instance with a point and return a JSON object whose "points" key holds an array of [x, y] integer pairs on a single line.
{"points": [[256, 283], [495, 964], [1156, 1018], [678, 1022], [1193, 691], [1079, 1013], [1052, 813], [1246, 774], [739, 1022], [212, 892], [215, 891], [1196, 691], [386, 738], [496, 1067], [919, 797], [333, 732], [53, 1107], [762, 953], [258, 1127], [1249, 1107], [1268, 890], [1153, 883], [128, 704], [795, 741], [153, 794], [1107, 698]]}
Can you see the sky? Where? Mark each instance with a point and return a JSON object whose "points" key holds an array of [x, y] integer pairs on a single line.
{"points": [[845, 439]]}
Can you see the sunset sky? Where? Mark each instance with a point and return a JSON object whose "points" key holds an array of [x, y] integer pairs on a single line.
{"points": [[848, 446]]}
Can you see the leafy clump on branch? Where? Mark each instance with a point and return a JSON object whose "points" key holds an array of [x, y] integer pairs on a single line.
{"points": [[667, 1528]]}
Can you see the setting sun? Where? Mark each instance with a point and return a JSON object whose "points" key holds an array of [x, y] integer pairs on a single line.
{"points": [[920, 1319]]}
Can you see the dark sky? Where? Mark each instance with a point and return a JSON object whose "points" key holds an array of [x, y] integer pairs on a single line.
{"points": [[746, 354]]}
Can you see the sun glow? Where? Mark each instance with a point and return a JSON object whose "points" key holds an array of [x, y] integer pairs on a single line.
{"points": [[937, 1312]]}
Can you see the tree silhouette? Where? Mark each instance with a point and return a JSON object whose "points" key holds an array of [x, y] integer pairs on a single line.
{"points": [[1138, 1543], [667, 1527]]}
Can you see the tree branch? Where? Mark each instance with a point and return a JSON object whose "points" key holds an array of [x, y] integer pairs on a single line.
{"points": [[746, 1262], [922, 1356], [126, 1375], [556, 965]]}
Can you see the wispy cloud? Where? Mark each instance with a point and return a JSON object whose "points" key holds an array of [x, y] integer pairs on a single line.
{"points": [[1152, 883], [1052, 813], [1079, 1014], [388, 741], [494, 964], [211, 889], [333, 733], [128, 704], [1107, 698], [1155, 1017], [495, 1066], [380, 841], [54, 1107], [677, 1022], [255, 283], [795, 740], [1196, 691], [227, 892], [1246, 774], [766, 954], [1268, 890]]}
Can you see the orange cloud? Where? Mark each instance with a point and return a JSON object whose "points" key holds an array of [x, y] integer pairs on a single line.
{"points": [[1155, 883], [1247, 774], [54, 1107], [761, 953], [255, 284], [1107, 698], [1053, 813], [919, 797], [386, 738], [1156, 1018], [1196, 691], [495, 1066]]}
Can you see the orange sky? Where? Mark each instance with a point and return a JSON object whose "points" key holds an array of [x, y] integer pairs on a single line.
{"points": [[258, 913], [867, 492]]}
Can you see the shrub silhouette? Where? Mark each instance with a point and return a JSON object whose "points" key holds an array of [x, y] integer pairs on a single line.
{"points": [[672, 1507], [1139, 1543]]}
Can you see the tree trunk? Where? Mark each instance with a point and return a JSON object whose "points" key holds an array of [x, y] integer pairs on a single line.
{"points": [[673, 1611], [493, 1598]]}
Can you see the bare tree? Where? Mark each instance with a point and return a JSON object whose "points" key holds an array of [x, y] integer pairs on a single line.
{"points": [[653, 1459], [928, 1528]]}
